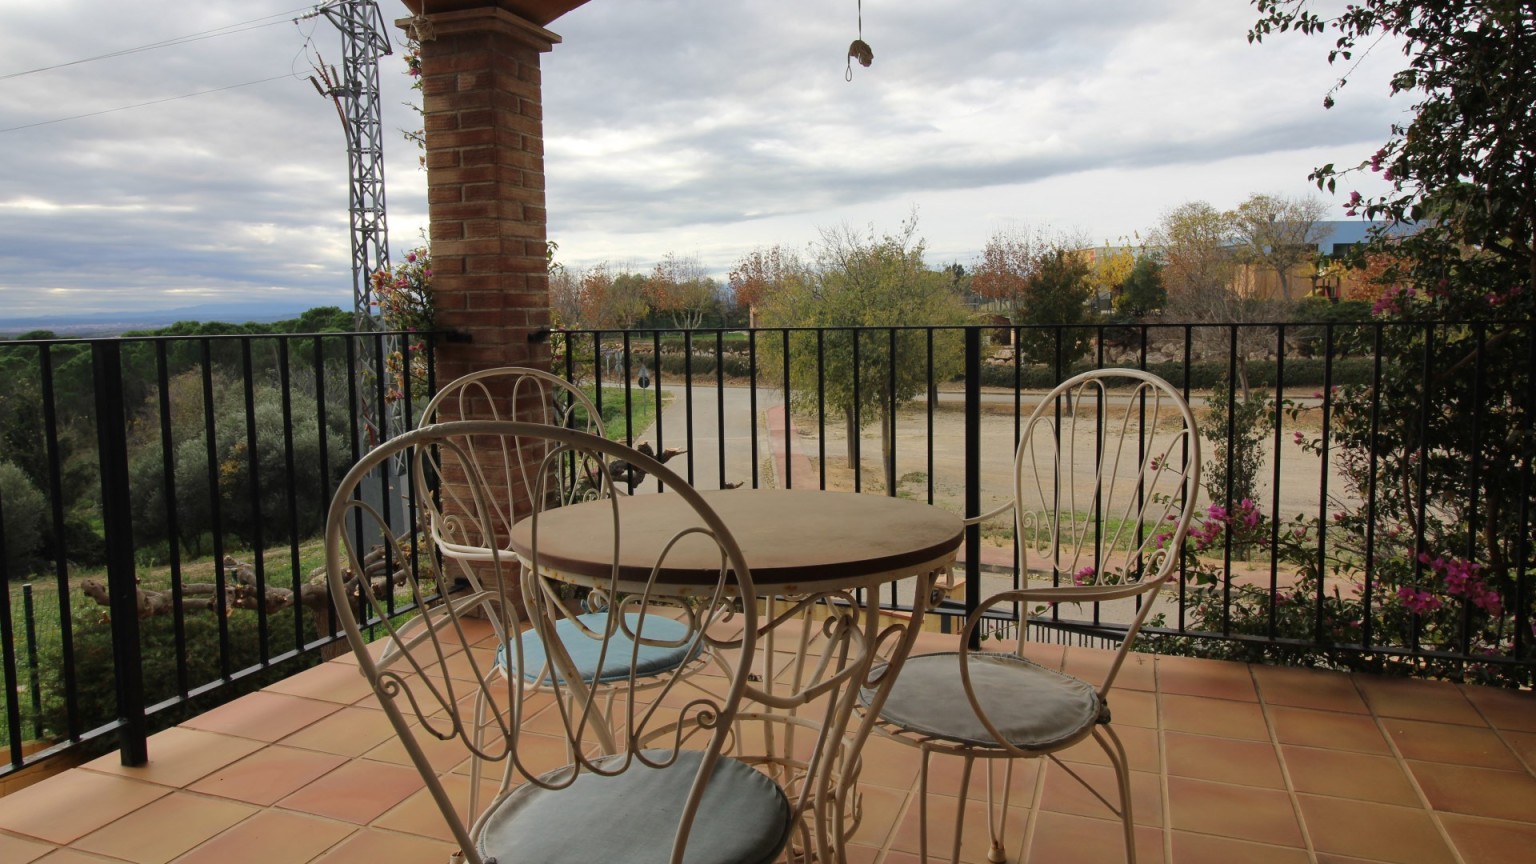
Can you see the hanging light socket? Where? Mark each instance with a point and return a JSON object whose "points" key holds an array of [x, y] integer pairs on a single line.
{"points": [[859, 50]]}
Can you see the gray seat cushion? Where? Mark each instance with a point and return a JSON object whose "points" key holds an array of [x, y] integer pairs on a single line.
{"points": [[1035, 708], [743, 819]]}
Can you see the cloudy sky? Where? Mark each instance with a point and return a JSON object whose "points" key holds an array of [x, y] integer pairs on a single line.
{"points": [[693, 127]]}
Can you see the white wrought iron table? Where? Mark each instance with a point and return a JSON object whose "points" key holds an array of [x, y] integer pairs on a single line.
{"points": [[820, 558]]}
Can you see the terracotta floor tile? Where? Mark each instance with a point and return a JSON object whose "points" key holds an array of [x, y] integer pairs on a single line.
{"points": [[1524, 745], [1208, 849], [1460, 745], [1063, 794], [1510, 710], [271, 836], [351, 732], [371, 846], [1141, 749], [359, 791], [165, 828], [941, 829], [1403, 835], [1203, 716], [1063, 838], [1309, 688], [71, 856], [889, 763], [1490, 841], [1223, 760], [14, 850], [419, 814], [179, 756], [883, 809], [68, 806], [1216, 679], [443, 755], [1047, 654], [268, 775], [263, 716], [330, 682], [944, 778], [1137, 673], [1329, 729], [1477, 791], [1133, 708], [1343, 774], [1258, 815], [1413, 699]]}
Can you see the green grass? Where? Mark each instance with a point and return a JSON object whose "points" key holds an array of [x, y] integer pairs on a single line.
{"points": [[642, 410]]}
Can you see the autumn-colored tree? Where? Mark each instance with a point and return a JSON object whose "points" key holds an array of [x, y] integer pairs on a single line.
{"points": [[1108, 267], [1197, 259], [680, 288], [1278, 233], [761, 274], [604, 301], [1010, 259]]}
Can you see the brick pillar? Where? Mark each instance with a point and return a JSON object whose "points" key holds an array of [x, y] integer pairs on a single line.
{"points": [[484, 125]]}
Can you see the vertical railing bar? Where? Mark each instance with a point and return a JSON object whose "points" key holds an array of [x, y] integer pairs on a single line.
{"points": [[324, 440], [855, 430], [719, 401], [1522, 545], [1422, 472], [1230, 447], [258, 534], [1274, 504], [821, 401], [117, 525], [752, 402], [629, 377], [893, 476], [8, 666], [933, 404], [688, 400], [1474, 474], [1322, 492], [172, 517], [1189, 350], [290, 466], [1367, 590], [215, 510], [60, 556], [973, 477], [34, 664], [656, 380]]}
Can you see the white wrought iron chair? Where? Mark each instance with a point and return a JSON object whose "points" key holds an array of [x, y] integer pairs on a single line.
{"points": [[1105, 481], [662, 788], [532, 395]]}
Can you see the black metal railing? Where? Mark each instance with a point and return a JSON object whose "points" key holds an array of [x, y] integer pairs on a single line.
{"points": [[162, 499], [188, 476]]}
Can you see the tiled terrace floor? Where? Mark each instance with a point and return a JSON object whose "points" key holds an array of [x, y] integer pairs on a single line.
{"points": [[1232, 764]]}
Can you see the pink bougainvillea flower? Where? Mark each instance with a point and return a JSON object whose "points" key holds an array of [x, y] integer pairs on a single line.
{"points": [[1084, 576]]}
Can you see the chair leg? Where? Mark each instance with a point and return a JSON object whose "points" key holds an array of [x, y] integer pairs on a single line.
{"points": [[1106, 737], [965, 788], [997, 812]]}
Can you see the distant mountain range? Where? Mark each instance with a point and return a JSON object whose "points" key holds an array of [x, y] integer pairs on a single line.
{"points": [[112, 323]]}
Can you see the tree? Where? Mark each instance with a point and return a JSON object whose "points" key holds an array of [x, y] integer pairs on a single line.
{"points": [[1109, 268], [598, 300], [1141, 292], [761, 274], [681, 288], [1001, 277], [860, 281], [1197, 259], [1464, 169], [1278, 233], [1056, 296]]}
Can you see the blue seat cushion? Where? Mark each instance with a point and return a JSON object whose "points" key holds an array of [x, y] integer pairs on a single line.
{"points": [[743, 818], [1034, 708], [585, 651]]}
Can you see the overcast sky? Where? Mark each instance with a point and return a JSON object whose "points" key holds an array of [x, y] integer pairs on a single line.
{"points": [[692, 127]]}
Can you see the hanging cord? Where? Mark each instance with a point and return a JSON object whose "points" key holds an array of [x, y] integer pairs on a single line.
{"points": [[859, 48]]}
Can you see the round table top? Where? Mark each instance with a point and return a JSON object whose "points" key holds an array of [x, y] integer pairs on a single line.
{"points": [[794, 541]]}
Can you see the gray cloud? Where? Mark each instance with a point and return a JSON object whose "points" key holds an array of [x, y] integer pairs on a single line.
{"points": [[671, 126]]}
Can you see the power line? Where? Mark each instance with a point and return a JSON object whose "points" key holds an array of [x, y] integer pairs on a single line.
{"points": [[144, 104], [226, 30]]}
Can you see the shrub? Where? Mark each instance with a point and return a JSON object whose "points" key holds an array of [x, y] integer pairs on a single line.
{"points": [[26, 515]]}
